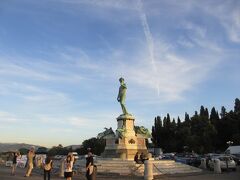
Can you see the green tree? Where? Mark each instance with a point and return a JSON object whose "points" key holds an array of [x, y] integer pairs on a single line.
{"points": [[156, 131], [214, 117], [23, 151], [223, 112], [201, 133], [58, 150], [237, 106], [97, 145], [42, 150]]}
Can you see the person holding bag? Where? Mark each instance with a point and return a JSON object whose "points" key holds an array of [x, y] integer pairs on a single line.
{"points": [[89, 166], [47, 167]]}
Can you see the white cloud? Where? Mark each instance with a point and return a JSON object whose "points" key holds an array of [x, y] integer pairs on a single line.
{"points": [[37, 69], [60, 130], [78, 122], [198, 30], [228, 15], [185, 42], [6, 117], [175, 76], [122, 4], [232, 25], [33, 93]]}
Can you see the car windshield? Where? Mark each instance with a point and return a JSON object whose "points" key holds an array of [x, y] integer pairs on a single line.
{"points": [[237, 155], [225, 158]]}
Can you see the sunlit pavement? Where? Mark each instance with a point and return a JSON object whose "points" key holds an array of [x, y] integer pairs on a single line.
{"points": [[5, 174]]}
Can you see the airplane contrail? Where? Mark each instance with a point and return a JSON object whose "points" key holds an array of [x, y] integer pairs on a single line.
{"points": [[149, 38]]}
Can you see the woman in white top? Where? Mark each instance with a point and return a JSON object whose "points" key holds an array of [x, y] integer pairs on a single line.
{"points": [[68, 168]]}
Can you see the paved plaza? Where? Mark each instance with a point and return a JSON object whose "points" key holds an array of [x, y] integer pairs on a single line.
{"points": [[207, 175]]}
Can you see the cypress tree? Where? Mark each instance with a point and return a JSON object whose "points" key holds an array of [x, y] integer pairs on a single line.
{"points": [[223, 112], [237, 106]]}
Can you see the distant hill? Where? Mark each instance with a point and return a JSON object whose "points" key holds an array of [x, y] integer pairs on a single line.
{"points": [[74, 147], [15, 146]]}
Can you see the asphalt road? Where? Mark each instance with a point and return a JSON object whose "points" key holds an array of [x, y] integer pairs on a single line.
{"points": [[206, 175]]}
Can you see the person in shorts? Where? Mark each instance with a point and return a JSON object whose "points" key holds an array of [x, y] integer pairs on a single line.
{"points": [[68, 168], [15, 156]]}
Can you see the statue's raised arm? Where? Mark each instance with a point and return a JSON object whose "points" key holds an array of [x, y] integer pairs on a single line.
{"points": [[122, 95]]}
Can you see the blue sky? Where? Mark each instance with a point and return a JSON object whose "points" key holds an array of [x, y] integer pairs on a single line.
{"points": [[60, 61]]}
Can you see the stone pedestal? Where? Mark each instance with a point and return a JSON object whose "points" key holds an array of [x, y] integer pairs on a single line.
{"points": [[126, 146]]}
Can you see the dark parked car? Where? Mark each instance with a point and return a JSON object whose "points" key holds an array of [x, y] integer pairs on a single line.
{"points": [[189, 159]]}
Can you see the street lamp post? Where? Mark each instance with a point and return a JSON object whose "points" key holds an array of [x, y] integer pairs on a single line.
{"points": [[229, 143]]}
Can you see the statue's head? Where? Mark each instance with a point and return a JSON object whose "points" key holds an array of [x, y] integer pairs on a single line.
{"points": [[121, 79]]}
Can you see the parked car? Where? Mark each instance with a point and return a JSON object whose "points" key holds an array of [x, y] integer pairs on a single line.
{"points": [[209, 157], [236, 158], [168, 156], [226, 162], [158, 157], [191, 159]]}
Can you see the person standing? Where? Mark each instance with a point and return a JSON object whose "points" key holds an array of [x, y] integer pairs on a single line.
{"points": [[15, 156], [47, 167], [89, 166], [136, 158], [142, 158], [68, 168], [30, 157]]}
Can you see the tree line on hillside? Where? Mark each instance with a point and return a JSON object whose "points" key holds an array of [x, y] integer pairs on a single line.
{"points": [[202, 133], [97, 146]]}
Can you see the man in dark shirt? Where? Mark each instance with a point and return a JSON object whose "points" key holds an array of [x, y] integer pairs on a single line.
{"points": [[89, 166], [136, 158]]}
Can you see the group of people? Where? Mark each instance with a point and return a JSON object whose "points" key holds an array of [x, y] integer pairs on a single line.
{"points": [[140, 159], [90, 168], [30, 159], [47, 165]]}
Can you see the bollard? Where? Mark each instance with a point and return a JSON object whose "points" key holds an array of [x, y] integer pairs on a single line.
{"points": [[203, 163], [61, 173], [217, 167], [148, 170]]}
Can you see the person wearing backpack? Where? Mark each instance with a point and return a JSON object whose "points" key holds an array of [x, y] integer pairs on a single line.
{"points": [[47, 167]]}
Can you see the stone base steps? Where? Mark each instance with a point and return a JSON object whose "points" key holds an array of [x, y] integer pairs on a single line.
{"points": [[172, 167], [127, 167]]}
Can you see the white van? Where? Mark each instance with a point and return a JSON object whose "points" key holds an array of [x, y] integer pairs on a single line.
{"points": [[233, 150]]}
